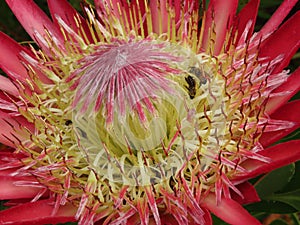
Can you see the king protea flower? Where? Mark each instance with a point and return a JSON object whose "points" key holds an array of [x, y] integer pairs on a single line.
{"points": [[144, 112]]}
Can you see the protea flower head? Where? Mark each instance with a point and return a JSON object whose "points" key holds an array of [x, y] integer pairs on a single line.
{"points": [[144, 112]]}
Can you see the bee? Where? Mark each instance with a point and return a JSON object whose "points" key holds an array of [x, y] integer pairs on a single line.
{"points": [[68, 122], [191, 81], [200, 73], [191, 87]]}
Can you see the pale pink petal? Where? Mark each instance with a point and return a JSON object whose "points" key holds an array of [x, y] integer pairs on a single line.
{"points": [[280, 155], [207, 217], [168, 220], [288, 89], [246, 15], [7, 86], [277, 18], [229, 210], [159, 16], [11, 129], [39, 212], [288, 112], [110, 6], [153, 205], [10, 58], [10, 162], [248, 192], [220, 14], [122, 10], [143, 210], [63, 9], [285, 41], [10, 189], [35, 21], [142, 73]]}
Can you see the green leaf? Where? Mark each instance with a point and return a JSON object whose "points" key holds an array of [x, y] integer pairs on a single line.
{"points": [[217, 221], [267, 3], [274, 181], [2, 207], [270, 207], [296, 218], [264, 15], [291, 198], [279, 222], [280, 190], [76, 4], [294, 183]]}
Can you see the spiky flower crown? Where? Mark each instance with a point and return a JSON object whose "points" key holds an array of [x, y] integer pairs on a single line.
{"points": [[132, 112]]}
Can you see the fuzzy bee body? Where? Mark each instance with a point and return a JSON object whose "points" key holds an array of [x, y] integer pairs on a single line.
{"points": [[68, 122], [192, 82], [199, 73], [191, 86]]}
